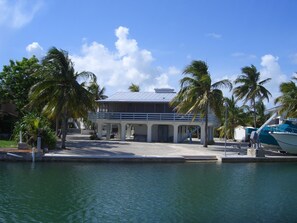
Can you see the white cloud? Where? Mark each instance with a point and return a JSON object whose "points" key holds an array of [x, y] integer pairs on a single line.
{"points": [[116, 70], [18, 13], [271, 69], [124, 45], [173, 71], [35, 49], [214, 35]]}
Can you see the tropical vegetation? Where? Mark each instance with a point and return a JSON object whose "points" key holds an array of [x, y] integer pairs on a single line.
{"points": [[53, 89], [235, 116], [59, 93], [198, 95], [31, 126], [251, 88], [16, 80], [288, 99], [134, 88]]}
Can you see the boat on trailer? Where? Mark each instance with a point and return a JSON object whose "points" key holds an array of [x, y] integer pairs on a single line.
{"points": [[286, 135], [281, 137], [286, 140]]}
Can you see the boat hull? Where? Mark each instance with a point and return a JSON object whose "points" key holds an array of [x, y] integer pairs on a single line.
{"points": [[286, 140]]}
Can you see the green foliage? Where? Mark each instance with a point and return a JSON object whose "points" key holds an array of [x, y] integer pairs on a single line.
{"points": [[59, 93], [198, 93], [16, 79], [251, 88], [97, 91], [235, 116], [134, 88], [288, 99], [261, 116], [31, 125], [7, 144]]}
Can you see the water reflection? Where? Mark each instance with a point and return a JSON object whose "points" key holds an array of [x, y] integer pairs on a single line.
{"points": [[79, 192]]}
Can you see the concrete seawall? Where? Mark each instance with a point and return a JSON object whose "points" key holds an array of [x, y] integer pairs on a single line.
{"points": [[117, 151]]}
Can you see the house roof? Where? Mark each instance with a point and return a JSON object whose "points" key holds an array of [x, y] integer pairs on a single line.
{"points": [[140, 97]]}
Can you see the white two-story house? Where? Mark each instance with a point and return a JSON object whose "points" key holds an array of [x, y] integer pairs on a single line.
{"points": [[147, 116]]}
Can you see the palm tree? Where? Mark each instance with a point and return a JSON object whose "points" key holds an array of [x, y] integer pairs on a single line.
{"points": [[59, 93], [261, 116], [97, 91], [197, 94], [134, 88], [236, 116], [251, 88], [288, 99]]}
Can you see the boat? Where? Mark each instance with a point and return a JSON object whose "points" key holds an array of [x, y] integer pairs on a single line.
{"points": [[267, 140], [281, 137], [286, 135], [286, 140]]}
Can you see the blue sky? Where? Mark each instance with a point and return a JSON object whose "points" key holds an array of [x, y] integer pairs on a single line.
{"points": [[149, 42]]}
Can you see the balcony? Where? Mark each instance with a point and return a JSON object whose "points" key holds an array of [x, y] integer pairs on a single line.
{"points": [[127, 116]]}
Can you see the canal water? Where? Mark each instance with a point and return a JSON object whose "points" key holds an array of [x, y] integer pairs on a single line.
{"points": [[194, 192]]}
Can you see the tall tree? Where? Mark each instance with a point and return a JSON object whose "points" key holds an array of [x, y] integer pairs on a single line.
{"points": [[59, 92], [198, 94], [97, 91], [251, 88], [235, 116], [288, 99], [134, 88], [261, 116], [16, 79]]}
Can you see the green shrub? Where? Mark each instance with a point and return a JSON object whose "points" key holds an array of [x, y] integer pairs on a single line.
{"points": [[31, 125]]}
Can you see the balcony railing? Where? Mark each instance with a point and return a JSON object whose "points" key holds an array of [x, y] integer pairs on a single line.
{"points": [[148, 117]]}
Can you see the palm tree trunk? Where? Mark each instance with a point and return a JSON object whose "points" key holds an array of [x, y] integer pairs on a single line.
{"points": [[57, 125], [64, 132], [255, 115], [206, 128], [233, 127]]}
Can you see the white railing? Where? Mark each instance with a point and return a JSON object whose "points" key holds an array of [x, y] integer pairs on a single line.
{"points": [[148, 116]]}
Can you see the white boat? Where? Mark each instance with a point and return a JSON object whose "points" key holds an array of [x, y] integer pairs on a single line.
{"points": [[286, 140]]}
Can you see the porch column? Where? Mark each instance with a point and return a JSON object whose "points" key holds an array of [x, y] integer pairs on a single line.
{"points": [[149, 132], [99, 129], [123, 131], [129, 129], [108, 130], [175, 133]]}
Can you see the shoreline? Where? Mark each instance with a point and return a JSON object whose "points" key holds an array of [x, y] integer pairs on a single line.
{"points": [[81, 149]]}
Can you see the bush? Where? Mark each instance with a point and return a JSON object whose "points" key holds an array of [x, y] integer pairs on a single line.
{"points": [[31, 125], [93, 136]]}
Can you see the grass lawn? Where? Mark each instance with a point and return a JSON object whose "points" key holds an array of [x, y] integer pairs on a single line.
{"points": [[7, 144]]}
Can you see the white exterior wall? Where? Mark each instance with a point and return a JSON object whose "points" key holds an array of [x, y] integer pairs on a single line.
{"points": [[141, 128]]}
